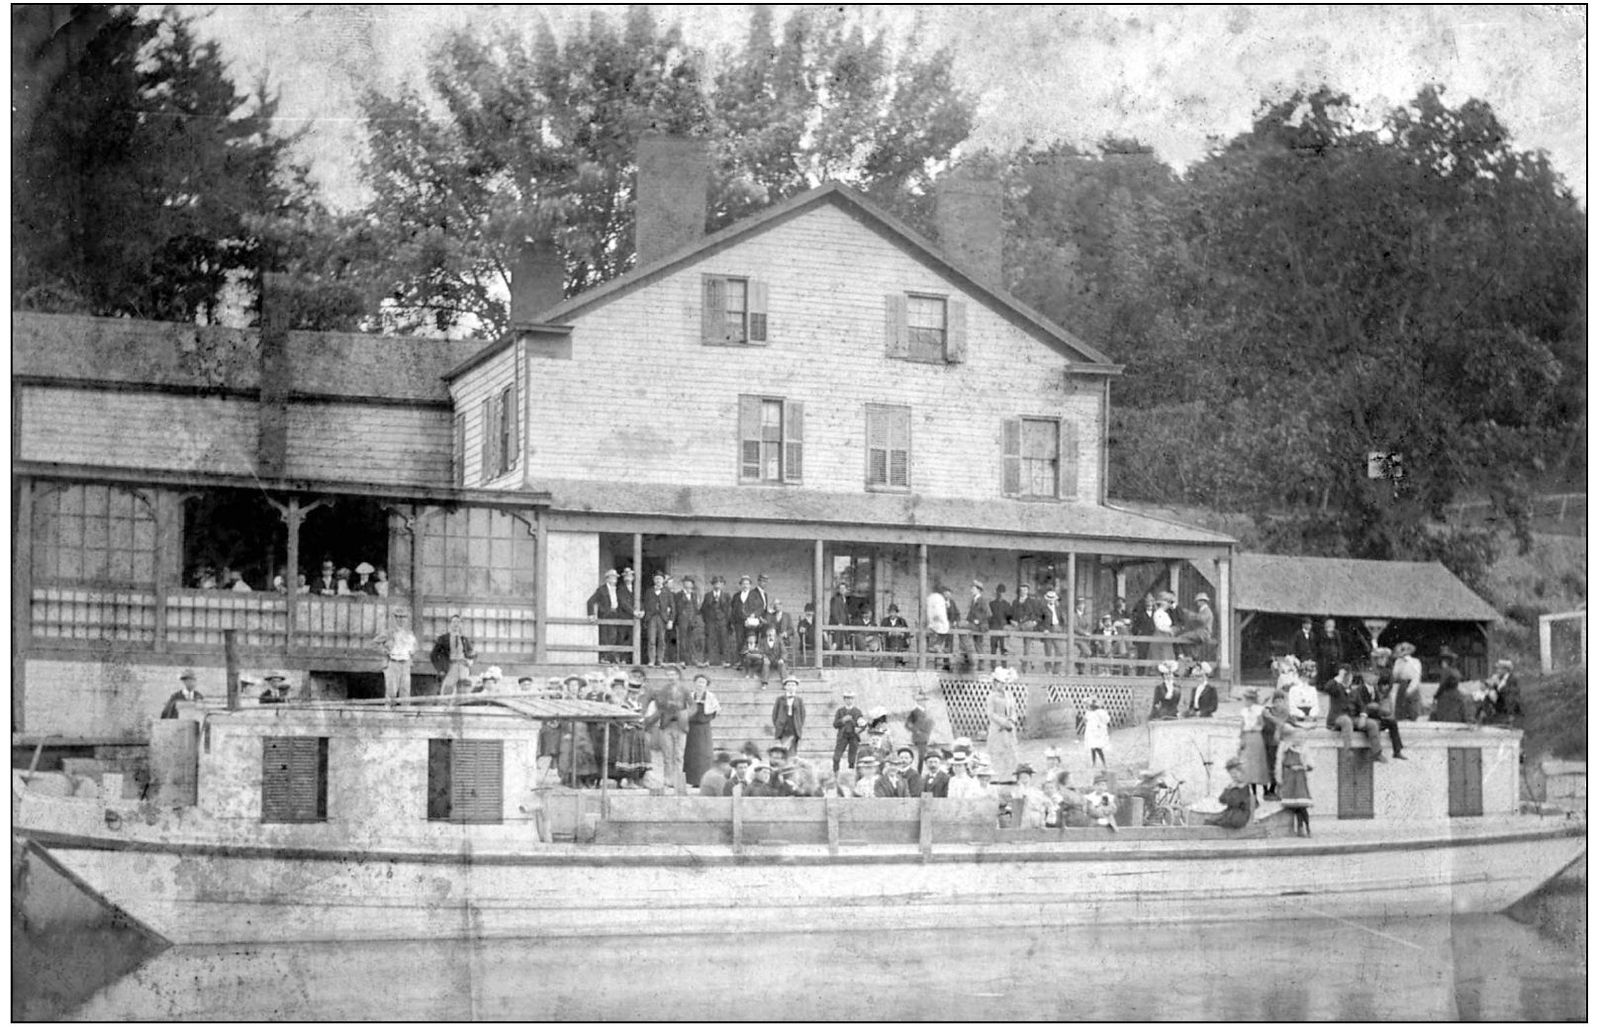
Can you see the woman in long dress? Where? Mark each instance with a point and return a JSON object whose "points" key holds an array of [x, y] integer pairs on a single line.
{"points": [[1292, 771], [1003, 751], [629, 747], [1250, 748], [699, 751], [1164, 629]]}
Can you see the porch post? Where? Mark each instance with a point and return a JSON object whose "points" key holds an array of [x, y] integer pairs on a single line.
{"points": [[1223, 619], [1233, 622], [819, 599], [1175, 578], [291, 518], [1120, 582], [637, 597], [418, 532], [1070, 613], [920, 612], [22, 596], [540, 586]]}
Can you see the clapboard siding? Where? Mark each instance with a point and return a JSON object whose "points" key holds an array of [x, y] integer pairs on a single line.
{"points": [[654, 404], [378, 445], [156, 431], [486, 381]]}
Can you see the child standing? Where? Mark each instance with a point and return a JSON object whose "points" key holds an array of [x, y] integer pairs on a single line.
{"points": [[1292, 771], [1095, 732]]}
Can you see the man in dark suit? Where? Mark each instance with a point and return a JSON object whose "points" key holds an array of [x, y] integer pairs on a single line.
{"points": [[849, 720], [1027, 616], [787, 717], [998, 616], [782, 621], [606, 604], [837, 613], [895, 642], [1303, 641], [934, 779], [658, 610], [1330, 652], [1142, 626], [326, 583], [1052, 620], [747, 602], [689, 623], [453, 652], [978, 617], [716, 610]]}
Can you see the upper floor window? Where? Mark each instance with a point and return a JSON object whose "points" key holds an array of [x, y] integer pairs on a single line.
{"points": [[886, 446], [734, 310], [93, 533], [293, 780], [1039, 458], [925, 328], [465, 780], [500, 443], [770, 439]]}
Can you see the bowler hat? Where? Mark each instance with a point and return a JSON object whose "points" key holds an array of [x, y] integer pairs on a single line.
{"points": [[187, 675]]}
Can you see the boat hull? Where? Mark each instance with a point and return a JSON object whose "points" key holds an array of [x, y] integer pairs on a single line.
{"points": [[191, 892]]}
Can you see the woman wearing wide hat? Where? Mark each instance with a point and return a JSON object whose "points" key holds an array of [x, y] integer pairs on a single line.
{"points": [[700, 747]]}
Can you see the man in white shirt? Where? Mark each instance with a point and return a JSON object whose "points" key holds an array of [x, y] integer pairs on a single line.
{"points": [[398, 645], [936, 620], [1053, 622]]}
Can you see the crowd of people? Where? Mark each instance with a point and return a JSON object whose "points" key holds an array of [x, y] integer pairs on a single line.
{"points": [[364, 580], [748, 627]]}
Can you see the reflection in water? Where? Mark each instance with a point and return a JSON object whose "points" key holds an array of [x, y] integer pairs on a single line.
{"points": [[1487, 967]]}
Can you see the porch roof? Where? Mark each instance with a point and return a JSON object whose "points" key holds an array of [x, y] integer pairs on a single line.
{"points": [[1323, 586], [799, 506]]}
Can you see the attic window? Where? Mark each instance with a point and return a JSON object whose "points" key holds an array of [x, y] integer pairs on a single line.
{"points": [[925, 328], [734, 312]]}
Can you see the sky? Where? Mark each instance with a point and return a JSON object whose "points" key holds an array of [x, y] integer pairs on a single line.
{"points": [[1173, 77]]}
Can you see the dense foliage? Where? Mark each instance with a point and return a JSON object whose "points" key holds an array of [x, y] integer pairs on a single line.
{"points": [[147, 183], [521, 139], [1313, 292]]}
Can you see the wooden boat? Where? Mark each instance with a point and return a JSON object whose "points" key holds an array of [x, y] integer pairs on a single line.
{"points": [[331, 822]]}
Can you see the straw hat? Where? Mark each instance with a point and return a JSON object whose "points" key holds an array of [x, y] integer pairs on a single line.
{"points": [[1404, 649], [1168, 666], [365, 568]]}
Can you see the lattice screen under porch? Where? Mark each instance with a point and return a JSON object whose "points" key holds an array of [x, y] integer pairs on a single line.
{"points": [[967, 702]]}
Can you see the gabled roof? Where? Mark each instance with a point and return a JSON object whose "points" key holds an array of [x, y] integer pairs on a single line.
{"points": [[1087, 358], [1323, 586]]}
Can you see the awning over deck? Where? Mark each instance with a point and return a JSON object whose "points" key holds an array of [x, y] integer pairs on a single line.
{"points": [[1376, 589], [801, 513], [531, 707]]}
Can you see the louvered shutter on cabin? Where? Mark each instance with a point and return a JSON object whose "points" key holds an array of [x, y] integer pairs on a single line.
{"points": [[954, 333], [1464, 782], [477, 781], [713, 328], [292, 775], [793, 441], [1011, 456], [897, 325], [1355, 786], [759, 300], [749, 438], [877, 450], [1069, 462]]}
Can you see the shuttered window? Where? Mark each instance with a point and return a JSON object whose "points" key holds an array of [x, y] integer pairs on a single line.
{"points": [[1464, 783], [459, 451], [927, 329], [1355, 785], [465, 780], [1039, 458], [886, 446], [490, 438], [734, 311], [770, 439], [293, 780], [509, 447]]}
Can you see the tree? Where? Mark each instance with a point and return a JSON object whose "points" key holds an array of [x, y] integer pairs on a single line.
{"points": [[148, 179], [1414, 289], [534, 138]]}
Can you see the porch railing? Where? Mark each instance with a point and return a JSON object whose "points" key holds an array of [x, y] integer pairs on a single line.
{"points": [[63, 616]]}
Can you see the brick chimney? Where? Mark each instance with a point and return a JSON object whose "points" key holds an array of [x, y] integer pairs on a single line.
{"points": [[970, 224], [537, 281], [277, 378], [672, 194]]}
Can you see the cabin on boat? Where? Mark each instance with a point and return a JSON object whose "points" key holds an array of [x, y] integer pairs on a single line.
{"points": [[816, 393]]}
